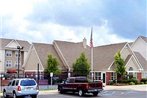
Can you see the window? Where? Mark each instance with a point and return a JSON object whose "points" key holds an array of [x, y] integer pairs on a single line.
{"points": [[17, 82], [113, 76], [27, 83], [144, 75], [16, 53], [131, 69], [8, 63], [8, 53], [16, 64], [132, 75], [97, 75], [13, 83]]}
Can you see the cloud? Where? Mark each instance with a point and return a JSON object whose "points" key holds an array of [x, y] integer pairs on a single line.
{"points": [[48, 20]]}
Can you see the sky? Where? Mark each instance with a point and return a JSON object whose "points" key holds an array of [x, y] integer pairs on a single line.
{"points": [[113, 21]]}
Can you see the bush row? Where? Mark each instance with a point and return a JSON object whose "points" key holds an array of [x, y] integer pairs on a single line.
{"points": [[132, 81]]}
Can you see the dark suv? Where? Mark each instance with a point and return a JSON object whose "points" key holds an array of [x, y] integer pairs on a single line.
{"points": [[21, 87]]}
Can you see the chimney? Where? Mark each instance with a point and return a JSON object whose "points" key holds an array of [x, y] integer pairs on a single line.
{"points": [[84, 42]]}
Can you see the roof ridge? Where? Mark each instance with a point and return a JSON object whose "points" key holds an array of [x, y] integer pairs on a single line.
{"points": [[41, 43], [111, 44], [68, 42]]}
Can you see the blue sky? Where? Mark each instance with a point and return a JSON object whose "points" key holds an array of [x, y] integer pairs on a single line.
{"points": [[113, 21]]}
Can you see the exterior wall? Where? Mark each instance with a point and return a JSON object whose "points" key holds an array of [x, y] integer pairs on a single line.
{"points": [[14, 59], [132, 64], [141, 47], [25, 55], [108, 77], [32, 62], [2, 59]]}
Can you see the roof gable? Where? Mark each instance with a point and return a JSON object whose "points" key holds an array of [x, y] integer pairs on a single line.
{"points": [[43, 50], [11, 43], [104, 55], [71, 51], [144, 38]]}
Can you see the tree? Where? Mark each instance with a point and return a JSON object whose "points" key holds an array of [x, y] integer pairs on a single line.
{"points": [[81, 66], [120, 68], [52, 65]]}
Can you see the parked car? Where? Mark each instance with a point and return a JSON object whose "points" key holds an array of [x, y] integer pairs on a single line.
{"points": [[80, 85], [21, 87]]}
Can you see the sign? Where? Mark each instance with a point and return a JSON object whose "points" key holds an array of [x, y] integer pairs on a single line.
{"points": [[51, 74]]}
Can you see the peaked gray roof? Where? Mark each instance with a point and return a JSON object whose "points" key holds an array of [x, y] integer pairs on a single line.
{"points": [[144, 38], [4, 42], [71, 51], [104, 55], [142, 60], [43, 50]]}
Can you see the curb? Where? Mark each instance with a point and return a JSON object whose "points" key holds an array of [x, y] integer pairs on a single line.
{"points": [[43, 92]]}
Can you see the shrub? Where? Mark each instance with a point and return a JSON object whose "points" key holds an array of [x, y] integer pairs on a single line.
{"points": [[144, 80], [132, 83], [141, 82], [133, 80]]}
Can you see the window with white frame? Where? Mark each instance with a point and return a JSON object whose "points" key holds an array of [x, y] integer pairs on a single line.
{"points": [[16, 64], [97, 75], [144, 75], [8, 63], [16, 53], [113, 76], [132, 75], [8, 53]]}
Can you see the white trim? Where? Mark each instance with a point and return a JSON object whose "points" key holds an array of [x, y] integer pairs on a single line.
{"points": [[64, 60], [135, 61], [136, 41], [141, 68], [7, 46]]}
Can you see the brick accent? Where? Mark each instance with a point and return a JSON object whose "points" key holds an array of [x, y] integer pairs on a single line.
{"points": [[139, 76], [108, 76]]}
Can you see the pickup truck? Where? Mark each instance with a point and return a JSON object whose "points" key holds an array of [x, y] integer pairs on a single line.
{"points": [[80, 85]]}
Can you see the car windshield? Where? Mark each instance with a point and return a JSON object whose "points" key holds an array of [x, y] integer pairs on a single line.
{"points": [[28, 83]]}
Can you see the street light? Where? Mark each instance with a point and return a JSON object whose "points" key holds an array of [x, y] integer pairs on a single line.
{"points": [[19, 48]]}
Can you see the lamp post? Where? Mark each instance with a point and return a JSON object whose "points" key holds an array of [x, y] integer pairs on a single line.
{"points": [[19, 48]]}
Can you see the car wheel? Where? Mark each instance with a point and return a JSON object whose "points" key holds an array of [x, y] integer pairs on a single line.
{"points": [[5, 94], [95, 94], [80, 93], [14, 95], [61, 91], [34, 96]]}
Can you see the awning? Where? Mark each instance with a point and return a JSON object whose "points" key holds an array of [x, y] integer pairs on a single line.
{"points": [[11, 70]]}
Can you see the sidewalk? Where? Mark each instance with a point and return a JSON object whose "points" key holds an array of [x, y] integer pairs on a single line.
{"points": [[128, 87]]}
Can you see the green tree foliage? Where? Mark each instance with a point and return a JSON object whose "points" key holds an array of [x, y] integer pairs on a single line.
{"points": [[120, 68], [52, 65], [81, 66]]}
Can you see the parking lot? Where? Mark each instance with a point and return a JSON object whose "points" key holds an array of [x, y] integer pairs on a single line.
{"points": [[135, 91]]}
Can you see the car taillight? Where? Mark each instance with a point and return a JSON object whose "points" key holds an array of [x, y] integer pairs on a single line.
{"points": [[87, 86], [18, 88]]}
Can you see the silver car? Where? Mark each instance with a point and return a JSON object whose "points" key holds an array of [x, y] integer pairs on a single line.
{"points": [[21, 87]]}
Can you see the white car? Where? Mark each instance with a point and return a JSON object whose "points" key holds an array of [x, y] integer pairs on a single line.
{"points": [[21, 87]]}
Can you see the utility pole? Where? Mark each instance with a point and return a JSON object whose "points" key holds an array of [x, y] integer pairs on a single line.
{"points": [[38, 75], [19, 52]]}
